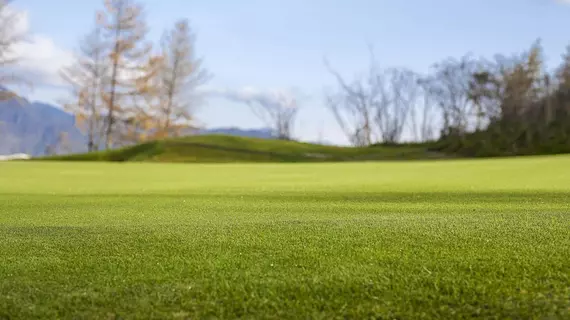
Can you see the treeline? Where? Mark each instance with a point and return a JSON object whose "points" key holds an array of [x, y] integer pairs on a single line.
{"points": [[123, 89], [520, 108], [475, 107]]}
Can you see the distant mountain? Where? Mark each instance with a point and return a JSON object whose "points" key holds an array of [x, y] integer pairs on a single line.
{"points": [[33, 127], [263, 133]]}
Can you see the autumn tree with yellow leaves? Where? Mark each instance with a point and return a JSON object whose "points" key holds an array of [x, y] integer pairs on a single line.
{"points": [[181, 73], [125, 31], [167, 90], [87, 77], [124, 92], [103, 78], [139, 120]]}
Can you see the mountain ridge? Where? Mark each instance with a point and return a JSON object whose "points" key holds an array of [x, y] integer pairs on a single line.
{"points": [[34, 127]]}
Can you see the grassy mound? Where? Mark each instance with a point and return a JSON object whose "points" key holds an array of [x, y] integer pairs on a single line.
{"points": [[220, 148]]}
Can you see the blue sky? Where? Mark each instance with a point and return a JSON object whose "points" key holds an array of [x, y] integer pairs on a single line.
{"points": [[280, 44]]}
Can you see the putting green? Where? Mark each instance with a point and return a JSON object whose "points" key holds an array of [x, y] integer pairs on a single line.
{"points": [[434, 239]]}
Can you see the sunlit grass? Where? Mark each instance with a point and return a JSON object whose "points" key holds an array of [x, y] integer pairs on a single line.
{"points": [[449, 239]]}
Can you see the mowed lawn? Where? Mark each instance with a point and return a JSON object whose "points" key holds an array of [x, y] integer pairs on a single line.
{"points": [[440, 239]]}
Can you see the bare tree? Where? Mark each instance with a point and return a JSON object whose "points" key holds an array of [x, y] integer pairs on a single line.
{"points": [[399, 95], [421, 114], [278, 111], [354, 105], [449, 88], [86, 78], [9, 38], [126, 29], [9, 35], [375, 105]]}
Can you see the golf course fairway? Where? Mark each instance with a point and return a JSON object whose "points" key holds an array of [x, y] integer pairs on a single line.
{"points": [[445, 239]]}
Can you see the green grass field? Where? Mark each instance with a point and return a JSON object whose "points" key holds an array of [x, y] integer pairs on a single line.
{"points": [[393, 240]]}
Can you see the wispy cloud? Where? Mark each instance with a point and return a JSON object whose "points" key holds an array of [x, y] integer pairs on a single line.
{"points": [[283, 98], [40, 59]]}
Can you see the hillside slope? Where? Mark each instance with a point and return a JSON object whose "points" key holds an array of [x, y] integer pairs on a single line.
{"points": [[221, 148]]}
